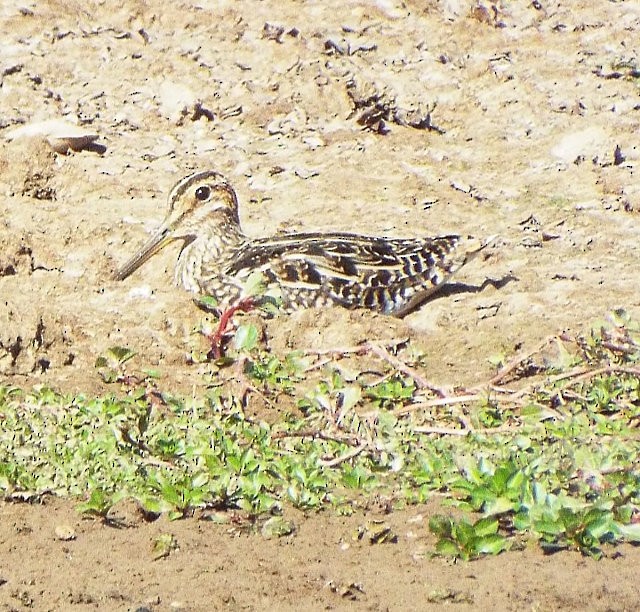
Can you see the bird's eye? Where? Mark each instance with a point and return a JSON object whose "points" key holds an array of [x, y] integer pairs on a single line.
{"points": [[203, 193]]}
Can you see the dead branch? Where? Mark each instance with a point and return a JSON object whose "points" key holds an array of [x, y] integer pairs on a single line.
{"points": [[346, 457], [519, 360], [401, 366], [315, 434], [580, 374]]}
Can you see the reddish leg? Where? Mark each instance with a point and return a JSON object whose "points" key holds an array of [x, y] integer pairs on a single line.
{"points": [[217, 339]]}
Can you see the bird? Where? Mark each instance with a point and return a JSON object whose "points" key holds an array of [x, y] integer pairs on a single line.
{"points": [[391, 276]]}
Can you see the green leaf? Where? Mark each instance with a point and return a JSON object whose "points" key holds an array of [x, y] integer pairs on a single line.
{"points": [[119, 354], [631, 533], [498, 505], [548, 527], [485, 527], [441, 526], [207, 302], [98, 504], [464, 533], [620, 317], [491, 544], [152, 373], [448, 548], [163, 545], [246, 337], [570, 519], [515, 482], [255, 284], [200, 480], [277, 527], [350, 397]]}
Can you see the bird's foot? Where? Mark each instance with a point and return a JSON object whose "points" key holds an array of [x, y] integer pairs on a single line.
{"points": [[217, 339]]}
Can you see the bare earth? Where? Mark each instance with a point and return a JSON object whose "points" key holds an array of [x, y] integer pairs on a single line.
{"points": [[533, 137]]}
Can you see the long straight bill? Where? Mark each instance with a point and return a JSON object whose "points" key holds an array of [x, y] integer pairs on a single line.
{"points": [[156, 243]]}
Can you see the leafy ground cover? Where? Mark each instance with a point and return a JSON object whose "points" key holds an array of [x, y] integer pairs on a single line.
{"points": [[546, 451]]}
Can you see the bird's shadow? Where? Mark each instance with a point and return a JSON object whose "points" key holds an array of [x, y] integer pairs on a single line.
{"points": [[455, 288], [95, 147]]}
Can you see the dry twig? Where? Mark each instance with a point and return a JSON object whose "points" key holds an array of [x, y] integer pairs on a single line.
{"points": [[316, 434], [342, 458], [401, 366], [519, 360]]}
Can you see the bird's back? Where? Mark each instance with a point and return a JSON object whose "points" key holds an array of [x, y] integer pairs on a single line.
{"points": [[388, 275]]}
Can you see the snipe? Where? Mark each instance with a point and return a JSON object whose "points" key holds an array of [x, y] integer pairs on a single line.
{"points": [[388, 275]]}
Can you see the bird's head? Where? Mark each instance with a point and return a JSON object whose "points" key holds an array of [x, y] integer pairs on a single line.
{"points": [[196, 203]]}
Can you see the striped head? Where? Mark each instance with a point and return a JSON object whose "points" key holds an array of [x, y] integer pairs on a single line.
{"points": [[199, 205]]}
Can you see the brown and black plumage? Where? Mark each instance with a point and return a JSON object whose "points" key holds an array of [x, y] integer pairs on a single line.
{"points": [[387, 275]]}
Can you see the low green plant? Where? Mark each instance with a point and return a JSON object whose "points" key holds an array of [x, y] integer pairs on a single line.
{"points": [[555, 462], [464, 540], [391, 393], [110, 366]]}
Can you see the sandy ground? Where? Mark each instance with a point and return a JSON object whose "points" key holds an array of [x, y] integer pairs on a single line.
{"points": [[412, 118]]}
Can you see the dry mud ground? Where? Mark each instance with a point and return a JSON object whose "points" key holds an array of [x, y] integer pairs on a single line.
{"points": [[533, 137]]}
